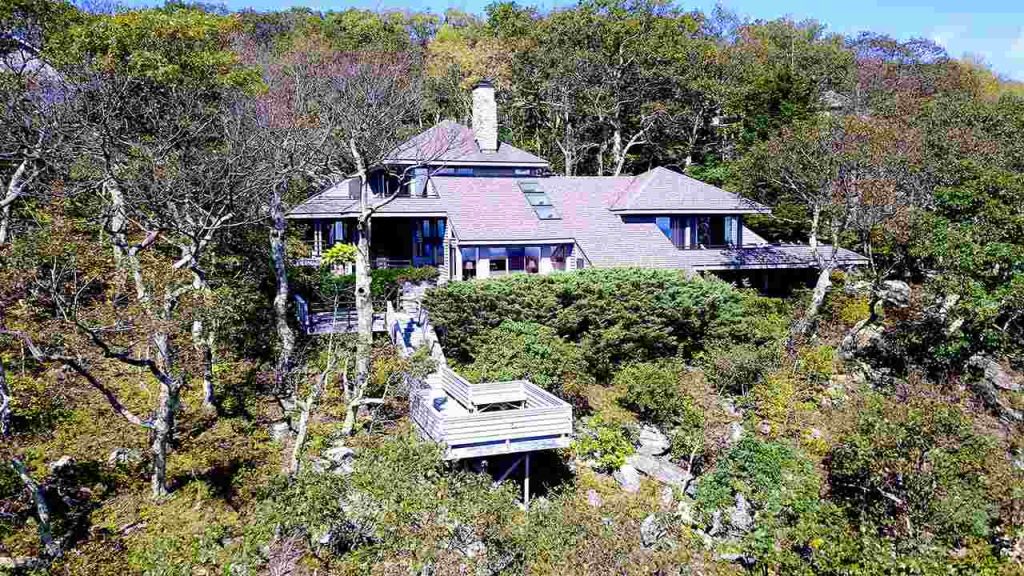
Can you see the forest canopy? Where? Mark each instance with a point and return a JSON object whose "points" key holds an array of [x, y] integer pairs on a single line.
{"points": [[162, 412]]}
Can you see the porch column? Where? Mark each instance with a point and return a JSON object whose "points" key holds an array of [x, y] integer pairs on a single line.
{"points": [[318, 243]]}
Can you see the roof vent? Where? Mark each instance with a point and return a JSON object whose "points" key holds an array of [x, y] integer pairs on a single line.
{"points": [[538, 200]]}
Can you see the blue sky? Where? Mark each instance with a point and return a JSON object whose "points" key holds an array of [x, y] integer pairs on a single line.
{"points": [[990, 29]]}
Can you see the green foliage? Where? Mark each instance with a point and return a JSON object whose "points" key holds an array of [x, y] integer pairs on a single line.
{"points": [[399, 506], [170, 45], [340, 253], [527, 351], [653, 390], [384, 283], [605, 443], [615, 315], [917, 470], [737, 368], [782, 488]]}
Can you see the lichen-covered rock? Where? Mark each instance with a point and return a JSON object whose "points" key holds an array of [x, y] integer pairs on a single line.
{"points": [[741, 519], [991, 371], [660, 470], [594, 499], [652, 441], [895, 293], [652, 531], [628, 478]]}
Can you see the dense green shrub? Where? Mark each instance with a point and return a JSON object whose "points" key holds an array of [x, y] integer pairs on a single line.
{"points": [[605, 443], [736, 368], [399, 511], [653, 390], [527, 351], [916, 469], [615, 315], [782, 489]]}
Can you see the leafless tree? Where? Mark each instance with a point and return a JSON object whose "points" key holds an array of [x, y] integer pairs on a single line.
{"points": [[5, 403], [377, 99], [35, 122], [292, 146], [167, 183]]}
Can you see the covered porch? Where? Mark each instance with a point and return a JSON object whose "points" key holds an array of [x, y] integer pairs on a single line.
{"points": [[395, 241]]}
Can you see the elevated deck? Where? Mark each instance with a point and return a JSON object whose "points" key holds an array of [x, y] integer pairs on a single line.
{"points": [[474, 420]]}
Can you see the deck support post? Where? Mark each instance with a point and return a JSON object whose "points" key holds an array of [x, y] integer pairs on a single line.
{"points": [[526, 482]]}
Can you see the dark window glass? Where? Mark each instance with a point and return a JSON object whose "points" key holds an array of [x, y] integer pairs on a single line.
{"points": [[665, 225], [517, 259]]}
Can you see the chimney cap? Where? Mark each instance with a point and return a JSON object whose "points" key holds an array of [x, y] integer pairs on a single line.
{"points": [[483, 83]]}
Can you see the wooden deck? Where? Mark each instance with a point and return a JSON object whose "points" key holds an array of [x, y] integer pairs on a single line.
{"points": [[473, 420]]}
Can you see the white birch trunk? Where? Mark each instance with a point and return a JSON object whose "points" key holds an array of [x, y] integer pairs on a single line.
{"points": [[284, 331], [5, 404]]}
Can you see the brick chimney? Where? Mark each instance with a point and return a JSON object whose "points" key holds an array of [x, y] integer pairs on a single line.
{"points": [[485, 117]]}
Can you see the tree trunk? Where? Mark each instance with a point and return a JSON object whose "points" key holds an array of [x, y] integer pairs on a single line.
{"points": [[364, 296], [206, 349], [364, 302], [5, 404], [163, 429], [284, 331], [15, 186], [803, 325], [5, 223], [51, 546], [303, 426]]}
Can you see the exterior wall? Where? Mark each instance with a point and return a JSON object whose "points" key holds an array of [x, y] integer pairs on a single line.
{"points": [[682, 228], [542, 254]]}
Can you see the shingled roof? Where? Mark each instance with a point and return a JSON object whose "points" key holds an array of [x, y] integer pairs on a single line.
{"points": [[663, 189], [494, 210], [449, 142]]}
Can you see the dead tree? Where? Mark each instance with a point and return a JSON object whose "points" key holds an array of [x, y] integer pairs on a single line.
{"points": [[5, 403], [292, 143], [35, 122], [377, 99]]}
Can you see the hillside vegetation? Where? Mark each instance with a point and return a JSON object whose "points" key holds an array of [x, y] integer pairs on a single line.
{"points": [[161, 413]]}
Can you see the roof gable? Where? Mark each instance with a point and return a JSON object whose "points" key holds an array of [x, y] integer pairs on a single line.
{"points": [[454, 143], [661, 189]]}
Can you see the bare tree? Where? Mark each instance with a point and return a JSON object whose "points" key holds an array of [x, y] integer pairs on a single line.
{"points": [[168, 184], [377, 99], [292, 143], [34, 123]]}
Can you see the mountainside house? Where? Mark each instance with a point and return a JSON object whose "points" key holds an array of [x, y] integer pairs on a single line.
{"points": [[480, 208]]}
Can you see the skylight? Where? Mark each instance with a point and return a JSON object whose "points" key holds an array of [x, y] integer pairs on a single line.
{"points": [[538, 200]]}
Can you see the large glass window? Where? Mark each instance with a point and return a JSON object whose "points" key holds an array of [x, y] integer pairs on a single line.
{"points": [[468, 263], [558, 257], [516, 259], [498, 261], [428, 236], [532, 259]]}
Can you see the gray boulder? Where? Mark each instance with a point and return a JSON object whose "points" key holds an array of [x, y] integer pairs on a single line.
{"points": [[660, 470], [994, 373], [628, 477], [684, 511], [652, 441], [124, 456], [594, 499], [895, 293], [740, 516], [60, 464], [651, 531], [735, 432], [279, 431]]}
